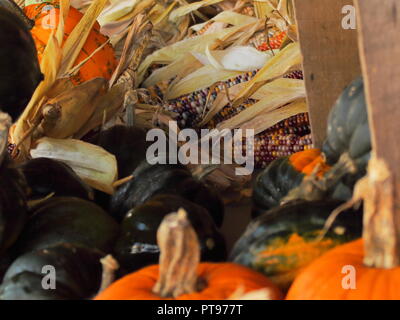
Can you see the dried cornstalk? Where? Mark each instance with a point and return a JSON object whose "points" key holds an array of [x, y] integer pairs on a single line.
{"points": [[76, 107]]}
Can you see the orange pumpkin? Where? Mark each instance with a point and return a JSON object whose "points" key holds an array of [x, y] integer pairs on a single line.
{"points": [[179, 275], [329, 278], [367, 268], [102, 64]]}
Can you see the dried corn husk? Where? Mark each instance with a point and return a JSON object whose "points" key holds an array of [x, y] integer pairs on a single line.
{"points": [[277, 66], [202, 78], [116, 10], [263, 8], [50, 64], [266, 120], [158, 13], [280, 86], [141, 7], [178, 50], [79, 34], [91, 163], [273, 95], [237, 58], [186, 9], [227, 17], [135, 44], [105, 107], [76, 107], [179, 68], [221, 101]]}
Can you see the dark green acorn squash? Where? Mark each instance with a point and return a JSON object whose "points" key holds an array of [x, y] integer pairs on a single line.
{"points": [[78, 273], [46, 176], [13, 204], [273, 184], [71, 220], [137, 244], [282, 241], [127, 143], [19, 67], [348, 129], [150, 180]]}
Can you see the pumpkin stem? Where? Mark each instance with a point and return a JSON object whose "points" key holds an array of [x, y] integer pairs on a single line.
{"points": [[381, 232], [110, 265], [179, 256]]}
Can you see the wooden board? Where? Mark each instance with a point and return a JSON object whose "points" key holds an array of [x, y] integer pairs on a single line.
{"points": [[330, 57], [379, 29]]}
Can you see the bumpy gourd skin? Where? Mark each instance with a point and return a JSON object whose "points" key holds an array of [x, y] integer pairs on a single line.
{"points": [[137, 245], [19, 67], [282, 240], [348, 129]]}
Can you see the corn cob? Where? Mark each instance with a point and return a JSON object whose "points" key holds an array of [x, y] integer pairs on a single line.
{"points": [[228, 112], [286, 137], [190, 108], [264, 43], [297, 74]]}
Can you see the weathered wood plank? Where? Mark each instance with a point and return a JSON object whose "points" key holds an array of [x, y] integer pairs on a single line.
{"points": [[330, 57], [379, 29]]}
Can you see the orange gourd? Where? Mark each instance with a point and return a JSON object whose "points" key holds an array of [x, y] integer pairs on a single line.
{"points": [[179, 275], [102, 64], [306, 161]]}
